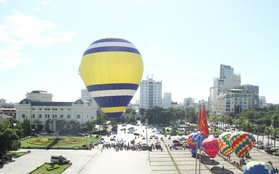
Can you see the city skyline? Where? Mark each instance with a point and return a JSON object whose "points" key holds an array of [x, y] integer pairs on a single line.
{"points": [[182, 43]]}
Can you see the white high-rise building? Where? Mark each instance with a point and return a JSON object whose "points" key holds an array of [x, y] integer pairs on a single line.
{"points": [[226, 81], [167, 101], [233, 101], [225, 70], [150, 94], [2, 102], [189, 102], [262, 101]]}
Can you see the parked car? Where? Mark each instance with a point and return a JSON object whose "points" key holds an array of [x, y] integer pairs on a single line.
{"points": [[59, 159]]}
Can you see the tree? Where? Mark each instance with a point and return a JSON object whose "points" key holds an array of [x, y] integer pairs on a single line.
{"points": [[257, 130], [191, 115], [275, 121], [27, 129], [267, 132], [142, 112], [37, 125], [275, 132], [9, 140]]}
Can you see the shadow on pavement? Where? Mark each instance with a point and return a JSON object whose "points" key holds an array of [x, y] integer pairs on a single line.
{"points": [[55, 141], [206, 160], [220, 170]]}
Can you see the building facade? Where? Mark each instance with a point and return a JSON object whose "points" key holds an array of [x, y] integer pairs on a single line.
{"points": [[150, 94], [262, 101], [221, 85], [233, 101], [43, 108], [9, 112], [225, 71], [167, 101], [254, 91], [226, 81], [189, 102]]}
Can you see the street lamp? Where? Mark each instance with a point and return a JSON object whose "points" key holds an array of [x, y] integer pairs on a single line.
{"points": [[146, 124]]}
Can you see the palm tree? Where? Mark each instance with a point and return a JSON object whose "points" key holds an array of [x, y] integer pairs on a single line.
{"points": [[275, 132], [267, 132], [257, 129]]}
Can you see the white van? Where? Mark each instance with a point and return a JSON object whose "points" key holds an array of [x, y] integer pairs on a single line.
{"points": [[59, 159]]}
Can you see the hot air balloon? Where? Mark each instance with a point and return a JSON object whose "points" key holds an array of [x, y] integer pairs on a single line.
{"points": [[210, 146], [257, 167], [198, 138], [111, 70], [224, 143], [191, 142], [242, 143]]}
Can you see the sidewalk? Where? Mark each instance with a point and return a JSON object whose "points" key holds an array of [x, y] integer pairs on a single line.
{"points": [[161, 162]]}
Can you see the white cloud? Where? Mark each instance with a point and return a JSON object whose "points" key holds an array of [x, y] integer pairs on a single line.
{"points": [[21, 30], [12, 57], [36, 9], [3, 1], [44, 3], [32, 30]]}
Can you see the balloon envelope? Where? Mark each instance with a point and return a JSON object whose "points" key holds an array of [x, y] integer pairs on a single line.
{"points": [[241, 143], [257, 167], [111, 70], [210, 146], [197, 139], [224, 143], [191, 142]]}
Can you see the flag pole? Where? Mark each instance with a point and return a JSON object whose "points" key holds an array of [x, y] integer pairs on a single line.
{"points": [[199, 113], [196, 163], [200, 145]]}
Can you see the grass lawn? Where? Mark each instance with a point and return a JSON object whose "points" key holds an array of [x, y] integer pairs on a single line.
{"points": [[50, 168], [48, 142], [17, 154]]}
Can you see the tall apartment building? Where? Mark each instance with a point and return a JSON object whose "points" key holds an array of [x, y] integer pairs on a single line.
{"points": [[189, 102], [38, 105], [167, 101], [225, 70], [233, 101], [226, 81], [2, 102], [150, 93], [254, 91], [262, 101], [221, 85]]}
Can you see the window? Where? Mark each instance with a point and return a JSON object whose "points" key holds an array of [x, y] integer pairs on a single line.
{"points": [[68, 116], [40, 115], [33, 115], [23, 115], [78, 116]]}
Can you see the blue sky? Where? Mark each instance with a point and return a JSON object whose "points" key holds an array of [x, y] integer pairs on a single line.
{"points": [[182, 42]]}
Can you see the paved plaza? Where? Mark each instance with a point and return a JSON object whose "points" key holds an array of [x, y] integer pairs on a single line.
{"points": [[110, 161]]}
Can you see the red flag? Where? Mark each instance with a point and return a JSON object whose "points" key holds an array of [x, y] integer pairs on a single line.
{"points": [[199, 118], [204, 125]]}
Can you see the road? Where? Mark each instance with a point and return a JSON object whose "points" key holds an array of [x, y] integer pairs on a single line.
{"points": [[37, 157], [86, 161]]}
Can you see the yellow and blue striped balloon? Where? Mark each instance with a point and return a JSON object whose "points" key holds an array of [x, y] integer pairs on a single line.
{"points": [[111, 70]]}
